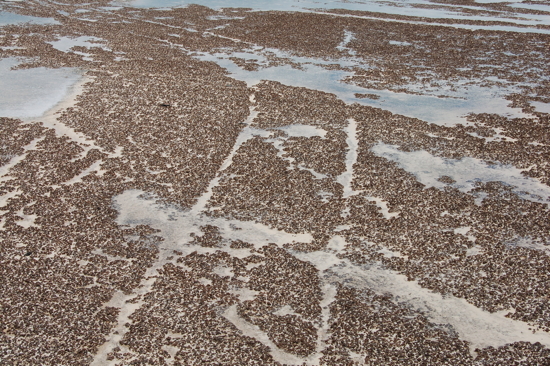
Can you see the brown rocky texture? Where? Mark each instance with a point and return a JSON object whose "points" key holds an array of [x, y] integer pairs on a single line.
{"points": [[162, 145], [429, 56], [387, 333], [518, 353], [282, 280], [63, 257], [502, 276], [60, 267], [210, 238], [494, 8], [528, 151], [294, 201], [279, 105], [507, 14], [367, 95], [523, 142], [260, 186], [60, 270], [322, 154], [184, 313], [16, 136]]}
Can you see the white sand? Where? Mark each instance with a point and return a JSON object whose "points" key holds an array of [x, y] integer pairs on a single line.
{"points": [[427, 168]]}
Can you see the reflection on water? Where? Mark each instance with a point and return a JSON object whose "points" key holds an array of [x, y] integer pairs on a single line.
{"points": [[11, 18], [466, 172], [541, 107], [418, 8], [441, 111], [65, 44], [30, 93]]}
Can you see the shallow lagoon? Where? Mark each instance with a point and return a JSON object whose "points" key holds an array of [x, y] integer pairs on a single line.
{"points": [[386, 7], [466, 172], [12, 18], [441, 111], [29, 93]]}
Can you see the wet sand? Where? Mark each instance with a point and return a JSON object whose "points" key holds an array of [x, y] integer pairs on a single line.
{"points": [[320, 187]]}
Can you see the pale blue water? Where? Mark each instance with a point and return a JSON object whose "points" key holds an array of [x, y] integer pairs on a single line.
{"points": [[11, 18], [377, 6], [30, 93], [441, 111], [466, 172]]}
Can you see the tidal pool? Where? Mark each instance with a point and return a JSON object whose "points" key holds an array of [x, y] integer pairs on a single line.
{"points": [[7, 18], [29, 93]]}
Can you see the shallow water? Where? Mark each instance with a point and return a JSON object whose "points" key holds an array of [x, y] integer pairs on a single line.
{"points": [[428, 168], [29, 93], [541, 107], [387, 7], [65, 44], [7, 18], [441, 111]]}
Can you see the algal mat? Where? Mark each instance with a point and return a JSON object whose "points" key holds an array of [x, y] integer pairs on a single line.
{"points": [[274, 182]]}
